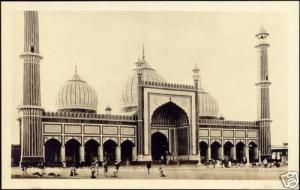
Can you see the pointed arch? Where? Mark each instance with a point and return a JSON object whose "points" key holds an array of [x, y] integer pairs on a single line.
{"points": [[240, 151], [227, 150], [215, 147], [126, 150], [203, 148], [91, 151], [109, 148], [169, 113], [52, 151], [72, 151]]}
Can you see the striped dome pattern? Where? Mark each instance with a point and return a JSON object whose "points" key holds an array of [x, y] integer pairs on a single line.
{"points": [[76, 94], [129, 92], [208, 106]]}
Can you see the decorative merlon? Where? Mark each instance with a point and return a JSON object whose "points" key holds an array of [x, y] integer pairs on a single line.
{"points": [[168, 85], [90, 116], [227, 122]]}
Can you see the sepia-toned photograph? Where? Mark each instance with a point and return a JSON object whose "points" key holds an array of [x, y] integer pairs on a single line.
{"points": [[150, 95]]}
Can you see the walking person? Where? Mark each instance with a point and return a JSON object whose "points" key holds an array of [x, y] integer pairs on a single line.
{"points": [[93, 168], [43, 167], [73, 170], [24, 169], [265, 162], [105, 169], [117, 167], [161, 171], [148, 167], [96, 164], [229, 164]]}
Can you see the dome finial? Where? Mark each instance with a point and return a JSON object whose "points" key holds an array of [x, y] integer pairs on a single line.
{"points": [[76, 68], [143, 56]]}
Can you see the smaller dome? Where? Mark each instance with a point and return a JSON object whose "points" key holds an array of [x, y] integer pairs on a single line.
{"points": [[208, 106], [77, 95]]}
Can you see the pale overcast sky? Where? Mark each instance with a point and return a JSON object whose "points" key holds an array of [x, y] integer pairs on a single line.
{"points": [[106, 45]]}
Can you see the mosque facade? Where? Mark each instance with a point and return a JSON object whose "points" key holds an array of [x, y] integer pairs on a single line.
{"points": [[160, 120]]}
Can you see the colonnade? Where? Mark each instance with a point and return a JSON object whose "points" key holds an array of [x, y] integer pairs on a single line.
{"points": [[116, 150], [234, 152]]}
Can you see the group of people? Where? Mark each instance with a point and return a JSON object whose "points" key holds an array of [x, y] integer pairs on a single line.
{"points": [[161, 169], [95, 169], [228, 163], [41, 166], [73, 170]]}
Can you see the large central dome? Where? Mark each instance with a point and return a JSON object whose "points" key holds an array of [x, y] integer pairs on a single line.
{"points": [[77, 95], [129, 92]]}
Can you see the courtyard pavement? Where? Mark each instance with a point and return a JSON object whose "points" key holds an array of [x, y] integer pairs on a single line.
{"points": [[171, 172]]}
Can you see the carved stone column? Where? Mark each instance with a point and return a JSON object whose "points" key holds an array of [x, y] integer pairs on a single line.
{"points": [[221, 153], [199, 156], [233, 152], [247, 153], [118, 153], [100, 153], [62, 154], [209, 153], [255, 152], [81, 153], [134, 153]]}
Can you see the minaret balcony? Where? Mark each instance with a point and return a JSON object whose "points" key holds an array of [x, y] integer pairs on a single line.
{"points": [[263, 83], [262, 43], [30, 54], [31, 57]]}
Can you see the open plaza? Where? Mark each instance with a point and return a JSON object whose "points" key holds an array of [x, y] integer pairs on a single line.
{"points": [[171, 172]]}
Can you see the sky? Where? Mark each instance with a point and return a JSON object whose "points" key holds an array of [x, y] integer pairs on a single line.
{"points": [[105, 46]]}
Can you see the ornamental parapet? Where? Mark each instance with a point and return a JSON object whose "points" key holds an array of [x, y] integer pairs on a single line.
{"points": [[168, 85], [227, 122], [92, 116]]}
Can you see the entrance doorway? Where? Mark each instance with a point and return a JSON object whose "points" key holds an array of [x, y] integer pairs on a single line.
{"points": [[110, 150], [52, 151], [72, 152], [215, 146], [173, 118], [91, 151], [240, 151], [126, 150], [203, 151], [252, 152], [159, 146], [227, 150]]}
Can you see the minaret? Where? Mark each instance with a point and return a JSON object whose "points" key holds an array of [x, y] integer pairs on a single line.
{"points": [[196, 77], [31, 130], [140, 127], [263, 104]]}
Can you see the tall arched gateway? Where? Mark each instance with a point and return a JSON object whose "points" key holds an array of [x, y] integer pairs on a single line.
{"points": [[172, 122]]}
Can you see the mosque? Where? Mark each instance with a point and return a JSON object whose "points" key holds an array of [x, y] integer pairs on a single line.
{"points": [[160, 120]]}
